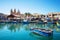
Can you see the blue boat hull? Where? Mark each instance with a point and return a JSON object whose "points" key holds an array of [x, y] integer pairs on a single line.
{"points": [[25, 22], [41, 32], [40, 22], [58, 26], [51, 22]]}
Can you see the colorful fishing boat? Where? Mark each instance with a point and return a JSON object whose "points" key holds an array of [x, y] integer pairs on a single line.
{"points": [[50, 22], [43, 32], [25, 22], [41, 22]]}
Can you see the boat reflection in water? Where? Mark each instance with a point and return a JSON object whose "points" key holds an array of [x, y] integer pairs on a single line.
{"points": [[40, 37]]}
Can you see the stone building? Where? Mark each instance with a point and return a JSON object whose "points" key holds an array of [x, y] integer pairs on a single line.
{"points": [[15, 15]]}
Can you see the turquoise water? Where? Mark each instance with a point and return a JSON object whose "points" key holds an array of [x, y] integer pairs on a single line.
{"points": [[22, 32]]}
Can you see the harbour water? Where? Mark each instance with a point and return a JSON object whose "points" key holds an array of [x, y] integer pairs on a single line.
{"points": [[22, 32]]}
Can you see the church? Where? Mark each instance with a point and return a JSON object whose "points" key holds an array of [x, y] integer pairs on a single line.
{"points": [[15, 15]]}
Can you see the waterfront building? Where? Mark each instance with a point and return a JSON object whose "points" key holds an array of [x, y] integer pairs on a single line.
{"points": [[37, 15], [3, 17], [15, 15], [54, 15]]}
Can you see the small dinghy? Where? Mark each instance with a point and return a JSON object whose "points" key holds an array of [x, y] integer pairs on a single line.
{"points": [[43, 32]]}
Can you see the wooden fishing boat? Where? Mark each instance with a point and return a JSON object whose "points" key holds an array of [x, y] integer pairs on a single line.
{"points": [[43, 32], [25, 22]]}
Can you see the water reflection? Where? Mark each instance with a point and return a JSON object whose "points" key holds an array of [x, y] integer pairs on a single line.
{"points": [[14, 27], [2, 26], [24, 29], [17, 27]]}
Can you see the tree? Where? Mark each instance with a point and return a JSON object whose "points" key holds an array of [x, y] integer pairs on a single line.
{"points": [[28, 14]]}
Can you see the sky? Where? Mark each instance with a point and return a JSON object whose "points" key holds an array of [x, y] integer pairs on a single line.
{"points": [[32, 6]]}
